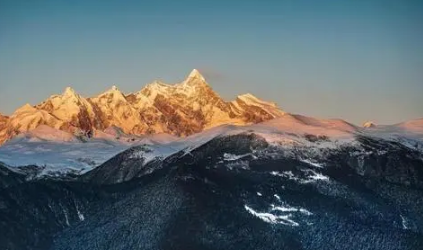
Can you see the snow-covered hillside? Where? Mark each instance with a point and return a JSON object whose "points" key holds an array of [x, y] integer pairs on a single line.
{"points": [[409, 133], [57, 153]]}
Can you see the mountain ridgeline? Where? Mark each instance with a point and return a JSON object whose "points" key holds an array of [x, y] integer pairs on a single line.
{"points": [[181, 109]]}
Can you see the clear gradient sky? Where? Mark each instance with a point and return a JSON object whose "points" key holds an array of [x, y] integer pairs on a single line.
{"points": [[357, 60]]}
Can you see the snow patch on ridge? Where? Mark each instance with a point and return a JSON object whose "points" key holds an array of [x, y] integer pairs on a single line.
{"points": [[280, 214], [317, 165], [152, 152], [232, 157], [311, 176], [273, 219], [404, 222]]}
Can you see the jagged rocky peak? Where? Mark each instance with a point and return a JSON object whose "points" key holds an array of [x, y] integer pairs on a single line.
{"points": [[195, 74], [151, 90], [195, 78], [68, 97], [194, 85], [112, 92], [69, 100], [113, 89], [25, 108], [69, 92]]}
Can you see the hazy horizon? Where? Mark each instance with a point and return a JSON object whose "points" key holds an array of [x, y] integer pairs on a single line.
{"points": [[358, 61]]}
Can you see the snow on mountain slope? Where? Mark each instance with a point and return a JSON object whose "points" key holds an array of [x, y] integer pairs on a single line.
{"points": [[296, 126], [24, 119], [412, 127], [307, 138], [61, 152], [58, 153], [289, 131], [335, 124], [250, 106], [28, 117], [45, 133], [187, 107], [408, 133], [117, 111], [181, 109], [415, 126], [72, 109], [157, 139], [229, 183], [299, 136], [57, 158]]}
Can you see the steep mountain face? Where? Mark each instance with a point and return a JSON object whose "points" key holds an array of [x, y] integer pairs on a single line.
{"points": [[181, 109], [73, 110], [115, 110], [185, 108], [27, 118]]}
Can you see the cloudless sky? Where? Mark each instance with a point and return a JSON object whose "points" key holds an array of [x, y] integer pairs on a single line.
{"points": [[357, 60]]}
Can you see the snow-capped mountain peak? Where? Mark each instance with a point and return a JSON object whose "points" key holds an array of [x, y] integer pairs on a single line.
{"points": [[69, 92], [25, 108], [180, 109], [69, 98], [153, 89], [194, 79], [195, 74], [112, 93]]}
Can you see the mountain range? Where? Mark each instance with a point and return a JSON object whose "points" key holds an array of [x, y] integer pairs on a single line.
{"points": [[181, 109]]}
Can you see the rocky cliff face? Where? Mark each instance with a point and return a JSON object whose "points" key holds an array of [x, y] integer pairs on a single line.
{"points": [[180, 109]]}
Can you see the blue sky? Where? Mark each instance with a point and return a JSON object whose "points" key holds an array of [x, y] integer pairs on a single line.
{"points": [[356, 60]]}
